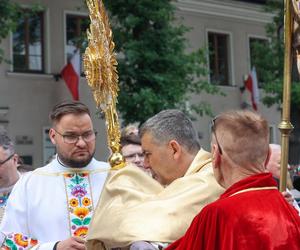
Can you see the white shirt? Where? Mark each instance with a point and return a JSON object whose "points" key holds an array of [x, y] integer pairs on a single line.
{"points": [[39, 206]]}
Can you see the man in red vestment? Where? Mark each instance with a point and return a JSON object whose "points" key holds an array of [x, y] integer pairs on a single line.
{"points": [[251, 213]]}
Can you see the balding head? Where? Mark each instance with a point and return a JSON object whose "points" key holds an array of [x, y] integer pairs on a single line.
{"points": [[275, 147], [244, 137]]}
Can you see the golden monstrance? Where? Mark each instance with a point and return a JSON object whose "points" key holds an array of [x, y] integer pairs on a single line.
{"points": [[101, 73]]}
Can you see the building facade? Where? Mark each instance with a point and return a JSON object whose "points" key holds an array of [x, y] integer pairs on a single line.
{"points": [[228, 29], [40, 47]]}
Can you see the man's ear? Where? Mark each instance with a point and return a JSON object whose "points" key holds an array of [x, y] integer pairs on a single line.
{"points": [[176, 149], [268, 158], [16, 159], [52, 135]]}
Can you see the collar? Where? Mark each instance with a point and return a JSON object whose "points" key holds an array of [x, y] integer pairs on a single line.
{"points": [[65, 168], [257, 181]]}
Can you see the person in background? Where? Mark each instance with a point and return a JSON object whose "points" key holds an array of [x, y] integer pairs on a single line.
{"points": [[130, 129], [52, 206], [251, 213], [132, 151], [273, 166], [9, 174]]}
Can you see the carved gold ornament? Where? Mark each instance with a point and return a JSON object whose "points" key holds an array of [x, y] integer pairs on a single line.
{"points": [[100, 66]]}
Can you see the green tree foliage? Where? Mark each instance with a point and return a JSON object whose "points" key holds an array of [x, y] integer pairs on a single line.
{"points": [[10, 15], [8, 20], [155, 71], [269, 59]]}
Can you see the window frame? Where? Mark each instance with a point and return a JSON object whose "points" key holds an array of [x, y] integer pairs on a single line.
{"points": [[43, 16], [258, 37], [230, 56], [66, 14], [251, 36]]}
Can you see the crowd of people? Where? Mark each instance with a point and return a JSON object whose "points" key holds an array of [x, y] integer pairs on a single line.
{"points": [[172, 194]]}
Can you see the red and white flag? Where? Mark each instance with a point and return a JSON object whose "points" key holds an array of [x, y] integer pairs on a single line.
{"points": [[251, 85], [71, 74]]}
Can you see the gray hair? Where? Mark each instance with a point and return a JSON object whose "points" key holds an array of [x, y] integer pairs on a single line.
{"points": [[6, 142], [172, 124]]}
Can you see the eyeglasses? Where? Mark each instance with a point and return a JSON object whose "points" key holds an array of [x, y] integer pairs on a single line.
{"points": [[213, 129], [73, 138], [133, 156], [7, 159]]}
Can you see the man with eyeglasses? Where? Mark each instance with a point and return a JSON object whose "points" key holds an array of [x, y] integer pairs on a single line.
{"points": [[251, 213], [9, 174], [144, 213], [54, 204]]}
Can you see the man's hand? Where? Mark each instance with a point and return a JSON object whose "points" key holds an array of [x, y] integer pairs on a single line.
{"points": [[72, 243], [288, 197]]}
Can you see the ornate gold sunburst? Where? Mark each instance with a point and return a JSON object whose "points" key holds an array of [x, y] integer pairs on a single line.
{"points": [[100, 66]]}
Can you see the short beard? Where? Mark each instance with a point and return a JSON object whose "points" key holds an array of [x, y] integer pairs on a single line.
{"points": [[73, 163]]}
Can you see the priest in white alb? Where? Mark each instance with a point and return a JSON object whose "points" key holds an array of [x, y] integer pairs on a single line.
{"points": [[51, 207]]}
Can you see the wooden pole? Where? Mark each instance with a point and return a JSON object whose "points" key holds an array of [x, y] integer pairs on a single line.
{"points": [[285, 126]]}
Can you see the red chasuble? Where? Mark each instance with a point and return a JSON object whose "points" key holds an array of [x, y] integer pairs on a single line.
{"points": [[252, 214]]}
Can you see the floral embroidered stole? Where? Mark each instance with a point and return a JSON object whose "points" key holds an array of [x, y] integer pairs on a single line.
{"points": [[80, 210], [16, 241], [80, 202]]}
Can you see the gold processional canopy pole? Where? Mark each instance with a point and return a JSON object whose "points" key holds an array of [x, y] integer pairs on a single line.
{"points": [[291, 10], [101, 73]]}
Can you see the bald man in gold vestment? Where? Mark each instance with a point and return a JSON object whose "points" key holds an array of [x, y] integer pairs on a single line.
{"points": [[134, 207]]}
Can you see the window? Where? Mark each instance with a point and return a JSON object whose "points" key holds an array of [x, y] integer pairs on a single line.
{"points": [[28, 45], [218, 45], [76, 27], [256, 47]]}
